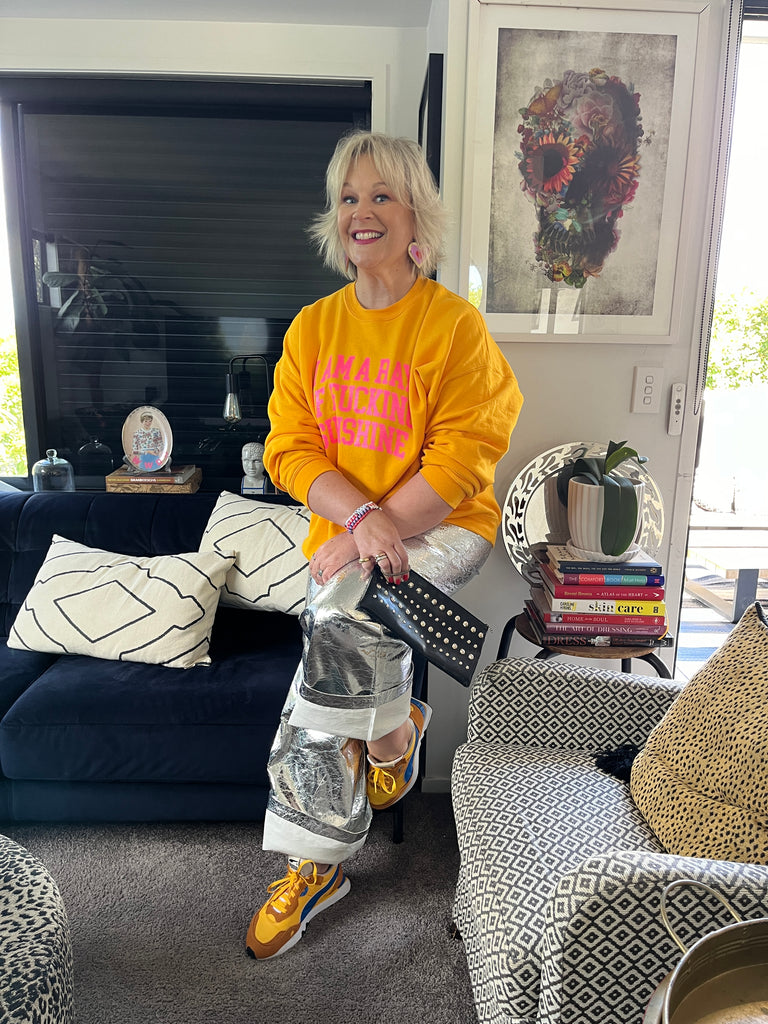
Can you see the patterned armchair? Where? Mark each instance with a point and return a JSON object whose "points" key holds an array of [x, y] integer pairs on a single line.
{"points": [[561, 878]]}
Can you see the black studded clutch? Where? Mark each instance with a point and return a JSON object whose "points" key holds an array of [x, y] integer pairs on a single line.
{"points": [[429, 621]]}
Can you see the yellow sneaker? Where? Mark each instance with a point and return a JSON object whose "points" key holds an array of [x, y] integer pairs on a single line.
{"points": [[389, 781], [294, 901]]}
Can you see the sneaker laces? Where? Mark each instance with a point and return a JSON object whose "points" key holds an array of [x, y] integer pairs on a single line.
{"points": [[381, 779], [287, 890]]}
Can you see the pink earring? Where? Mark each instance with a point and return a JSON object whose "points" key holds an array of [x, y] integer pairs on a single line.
{"points": [[416, 254]]}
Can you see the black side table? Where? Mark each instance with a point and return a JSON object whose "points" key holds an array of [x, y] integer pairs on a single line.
{"points": [[624, 654]]}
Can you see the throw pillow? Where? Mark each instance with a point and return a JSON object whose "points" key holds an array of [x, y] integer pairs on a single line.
{"points": [[88, 601], [701, 781], [270, 570]]}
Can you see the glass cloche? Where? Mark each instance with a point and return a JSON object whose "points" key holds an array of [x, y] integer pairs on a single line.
{"points": [[53, 473]]}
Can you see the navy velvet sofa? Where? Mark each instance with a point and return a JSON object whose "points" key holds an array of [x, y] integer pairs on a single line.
{"points": [[84, 739]]}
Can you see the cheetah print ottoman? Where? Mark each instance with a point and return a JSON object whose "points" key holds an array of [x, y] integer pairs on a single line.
{"points": [[701, 781], [35, 947]]}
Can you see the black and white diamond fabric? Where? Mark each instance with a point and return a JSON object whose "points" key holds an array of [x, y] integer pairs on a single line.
{"points": [[605, 947], [87, 601], [270, 570], [525, 817], [561, 878], [573, 707]]}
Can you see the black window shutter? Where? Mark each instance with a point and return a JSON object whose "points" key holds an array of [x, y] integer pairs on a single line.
{"points": [[186, 205]]}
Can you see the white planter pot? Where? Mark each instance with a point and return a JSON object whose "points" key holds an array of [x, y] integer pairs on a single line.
{"points": [[555, 523], [585, 516]]}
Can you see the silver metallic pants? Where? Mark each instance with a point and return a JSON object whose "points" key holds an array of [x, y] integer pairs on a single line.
{"points": [[353, 684]]}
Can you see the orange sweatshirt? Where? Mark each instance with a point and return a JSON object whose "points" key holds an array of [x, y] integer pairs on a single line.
{"points": [[381, 394]]}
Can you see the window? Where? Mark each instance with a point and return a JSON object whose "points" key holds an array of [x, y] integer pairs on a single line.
{"points": [[13, 456], [172, 219]]}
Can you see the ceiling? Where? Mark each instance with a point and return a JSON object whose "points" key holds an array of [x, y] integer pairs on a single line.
{"points": [[385, 13]]}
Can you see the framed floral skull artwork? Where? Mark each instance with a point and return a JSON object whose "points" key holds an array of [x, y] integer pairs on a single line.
{"points": [[588, 128]]}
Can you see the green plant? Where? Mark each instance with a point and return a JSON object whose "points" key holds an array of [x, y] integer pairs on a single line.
{"points": [[13, 454], [619, 497], [738, 351]]}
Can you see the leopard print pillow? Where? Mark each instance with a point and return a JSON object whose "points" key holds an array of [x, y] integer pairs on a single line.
{"points": [[701, 781]]}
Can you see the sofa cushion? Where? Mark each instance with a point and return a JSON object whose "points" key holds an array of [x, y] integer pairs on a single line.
{"points": [[524, 817], [18, 669], [85, 719], [270, 570], [701, 780], [154, 610]]}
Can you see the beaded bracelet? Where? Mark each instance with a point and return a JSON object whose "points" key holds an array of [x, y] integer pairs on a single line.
{"points": [[359, 515]]}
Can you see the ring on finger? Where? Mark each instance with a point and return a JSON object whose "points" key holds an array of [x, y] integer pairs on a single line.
{"points": [[381, 556], [367, 558]]}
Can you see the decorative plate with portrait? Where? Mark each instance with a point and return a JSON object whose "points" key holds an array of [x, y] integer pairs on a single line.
{"points": [[147, 439]]}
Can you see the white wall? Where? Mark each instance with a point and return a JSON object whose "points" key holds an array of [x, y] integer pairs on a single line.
{"points": [[392, 58], [573, 391], [576, 391]]}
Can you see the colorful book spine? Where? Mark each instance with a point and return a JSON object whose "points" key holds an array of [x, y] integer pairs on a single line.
{"points": [[541, 600], [562, 633], [605, 606], [574, 640], [598, 629], [557, 589], [561, 559], [648, 622], [608, 579]]}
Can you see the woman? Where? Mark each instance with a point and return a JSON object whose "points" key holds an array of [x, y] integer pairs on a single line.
{"points": [[392, 405]]}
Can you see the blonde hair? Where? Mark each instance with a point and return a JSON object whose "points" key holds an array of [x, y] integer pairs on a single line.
{"points": [[402, 165]]}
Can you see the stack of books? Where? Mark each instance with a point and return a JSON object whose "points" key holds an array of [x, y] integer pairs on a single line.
{"points": [[602, 604], [179, 480]]}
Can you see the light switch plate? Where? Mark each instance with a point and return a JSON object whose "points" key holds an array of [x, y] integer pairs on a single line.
{"points": [[646, 389]]}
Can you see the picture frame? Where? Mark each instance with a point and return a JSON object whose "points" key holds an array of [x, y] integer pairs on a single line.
{"points": [[147, 440], [521, 53]]}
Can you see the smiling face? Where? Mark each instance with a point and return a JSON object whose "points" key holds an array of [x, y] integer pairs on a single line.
{"points": [[375, 228]]}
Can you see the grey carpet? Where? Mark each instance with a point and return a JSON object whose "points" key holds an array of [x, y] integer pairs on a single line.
{"points": [[159, 912]]}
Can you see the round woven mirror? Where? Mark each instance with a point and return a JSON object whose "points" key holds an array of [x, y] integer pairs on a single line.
{"points": [[532, 515]]}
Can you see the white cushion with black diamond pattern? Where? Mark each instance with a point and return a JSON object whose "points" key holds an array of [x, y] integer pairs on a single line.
{"points": [[270, 570], [158, 610]]}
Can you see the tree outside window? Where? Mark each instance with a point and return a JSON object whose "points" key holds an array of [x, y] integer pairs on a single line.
{"points": [[13, 454]]}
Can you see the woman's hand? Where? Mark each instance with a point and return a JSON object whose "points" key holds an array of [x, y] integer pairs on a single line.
{"points": [[379, 542], [372, 543], [331, 555]]}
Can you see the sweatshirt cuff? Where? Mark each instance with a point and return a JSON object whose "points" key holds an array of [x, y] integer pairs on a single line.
{"points": [[444, 484]]}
